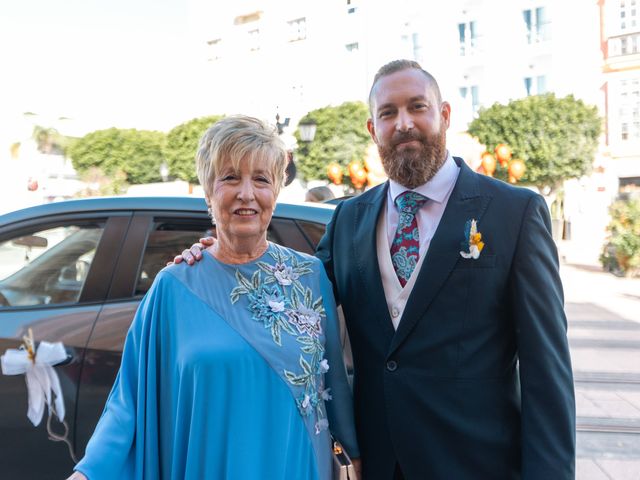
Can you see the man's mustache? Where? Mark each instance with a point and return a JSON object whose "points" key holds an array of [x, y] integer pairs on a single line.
{"points": [[402, 137]]}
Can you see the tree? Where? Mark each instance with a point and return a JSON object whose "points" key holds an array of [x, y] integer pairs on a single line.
{"points": [[341, 137], [556, 137], [182, 143], [99, 184], [137, 153], [621, 253], [50, 141]]}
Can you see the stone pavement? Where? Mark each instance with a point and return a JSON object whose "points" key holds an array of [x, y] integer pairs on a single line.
{"points": [[604, 337]]}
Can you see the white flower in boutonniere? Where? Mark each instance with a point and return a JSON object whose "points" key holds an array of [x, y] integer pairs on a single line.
{"points": [[473, 242]]}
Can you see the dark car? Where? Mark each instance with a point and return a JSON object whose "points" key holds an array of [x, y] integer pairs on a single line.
{"points": [[74, 272]]}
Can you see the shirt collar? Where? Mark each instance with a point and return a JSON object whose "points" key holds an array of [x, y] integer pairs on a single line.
{"points": [[435, 189]]}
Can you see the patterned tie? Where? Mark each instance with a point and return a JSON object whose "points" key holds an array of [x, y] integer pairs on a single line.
{"points": [[406, 242]]}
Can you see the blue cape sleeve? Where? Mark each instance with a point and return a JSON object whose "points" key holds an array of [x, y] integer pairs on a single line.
{"points": [[129, 419], [340, 408]]}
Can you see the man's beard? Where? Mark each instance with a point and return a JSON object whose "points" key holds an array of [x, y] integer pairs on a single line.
{"points": [[414, 166]]}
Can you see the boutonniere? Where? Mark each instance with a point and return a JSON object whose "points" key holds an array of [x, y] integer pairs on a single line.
{"points": [[473, 240]]}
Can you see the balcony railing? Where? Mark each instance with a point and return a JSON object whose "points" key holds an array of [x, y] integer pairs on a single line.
{"points": [[627, 44]]}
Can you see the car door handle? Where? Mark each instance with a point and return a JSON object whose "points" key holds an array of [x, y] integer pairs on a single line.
{"points": [[66, 361]]}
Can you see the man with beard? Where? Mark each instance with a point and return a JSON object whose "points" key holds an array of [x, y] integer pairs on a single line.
{"points": [[452, 298], [450, 288]]}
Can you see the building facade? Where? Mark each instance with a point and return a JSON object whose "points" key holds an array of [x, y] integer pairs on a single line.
{"points": [[620, 45], [292, 56]]}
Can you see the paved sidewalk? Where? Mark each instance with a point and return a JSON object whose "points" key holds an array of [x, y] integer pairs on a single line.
{"points": [[604, 337]]}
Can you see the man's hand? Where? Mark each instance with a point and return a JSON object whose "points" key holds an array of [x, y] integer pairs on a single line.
{"points": [[194, 254], [357, 466], [77, 476]]}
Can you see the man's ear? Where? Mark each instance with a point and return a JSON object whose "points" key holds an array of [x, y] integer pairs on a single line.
{"points": [[445, 113], [372, 130]]}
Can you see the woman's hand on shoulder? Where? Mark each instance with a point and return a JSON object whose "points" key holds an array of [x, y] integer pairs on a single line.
{"points": [[77, 476], [357, 466], [193, 254]]}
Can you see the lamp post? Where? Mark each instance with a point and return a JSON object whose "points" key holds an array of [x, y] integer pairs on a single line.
{"points": [[281, 126], [307, 130], [291, 170]]}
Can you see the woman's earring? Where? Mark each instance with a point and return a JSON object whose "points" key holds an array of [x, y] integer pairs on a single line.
{"points": [[213, 220]]}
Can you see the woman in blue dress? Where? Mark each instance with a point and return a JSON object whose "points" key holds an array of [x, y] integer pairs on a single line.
{"points": [[232, 369]]}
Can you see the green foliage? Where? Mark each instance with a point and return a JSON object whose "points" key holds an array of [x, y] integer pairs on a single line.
{"points": [[556, 137], [182, 143], [341, 137], [50, 141], [137, 153], [621, 254], [99, 184]]}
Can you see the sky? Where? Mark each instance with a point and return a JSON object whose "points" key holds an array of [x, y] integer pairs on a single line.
{"points": [[101, 63], [130, 63]]}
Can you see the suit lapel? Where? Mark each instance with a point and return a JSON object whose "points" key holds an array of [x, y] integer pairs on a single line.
{"points": [[464, 204], [365, 253]]}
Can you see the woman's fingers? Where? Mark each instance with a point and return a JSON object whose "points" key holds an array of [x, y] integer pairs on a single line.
{"points": [[188, 256], [207, 241], [196, 250], [193, 254]]}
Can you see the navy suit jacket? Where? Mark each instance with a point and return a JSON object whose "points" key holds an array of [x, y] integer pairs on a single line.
{"points": [[476, 382]]}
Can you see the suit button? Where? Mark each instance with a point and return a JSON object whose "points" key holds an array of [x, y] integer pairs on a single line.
{"points": [[392, 366]]}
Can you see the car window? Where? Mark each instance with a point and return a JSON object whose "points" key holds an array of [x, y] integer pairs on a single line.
{"points": [[169, 237], [47, 267], [313, 231]]}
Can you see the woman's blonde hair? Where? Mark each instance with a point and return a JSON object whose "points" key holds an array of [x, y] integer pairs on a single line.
{"points": [[237, 139]]}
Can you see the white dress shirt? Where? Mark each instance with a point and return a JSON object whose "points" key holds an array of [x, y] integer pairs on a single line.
{"points": [[437, 190]]}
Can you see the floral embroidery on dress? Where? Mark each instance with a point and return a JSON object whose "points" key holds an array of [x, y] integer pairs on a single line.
{"points": [[278, 300]]}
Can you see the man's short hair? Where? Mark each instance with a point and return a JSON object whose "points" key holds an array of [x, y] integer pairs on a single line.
{"points": [[397, 66]]}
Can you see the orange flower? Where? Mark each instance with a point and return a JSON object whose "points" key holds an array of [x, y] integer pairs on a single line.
{"points": [[475, 243]]}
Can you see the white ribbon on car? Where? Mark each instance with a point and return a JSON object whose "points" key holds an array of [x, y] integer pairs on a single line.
{"points": [[43, 384]]}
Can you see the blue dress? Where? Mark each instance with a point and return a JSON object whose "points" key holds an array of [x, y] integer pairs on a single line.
{"points": [[228, 372]]}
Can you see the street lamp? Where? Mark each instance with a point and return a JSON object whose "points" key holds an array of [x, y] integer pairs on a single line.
{"points": [[307, 130], [291, 170], [281, 126]]}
